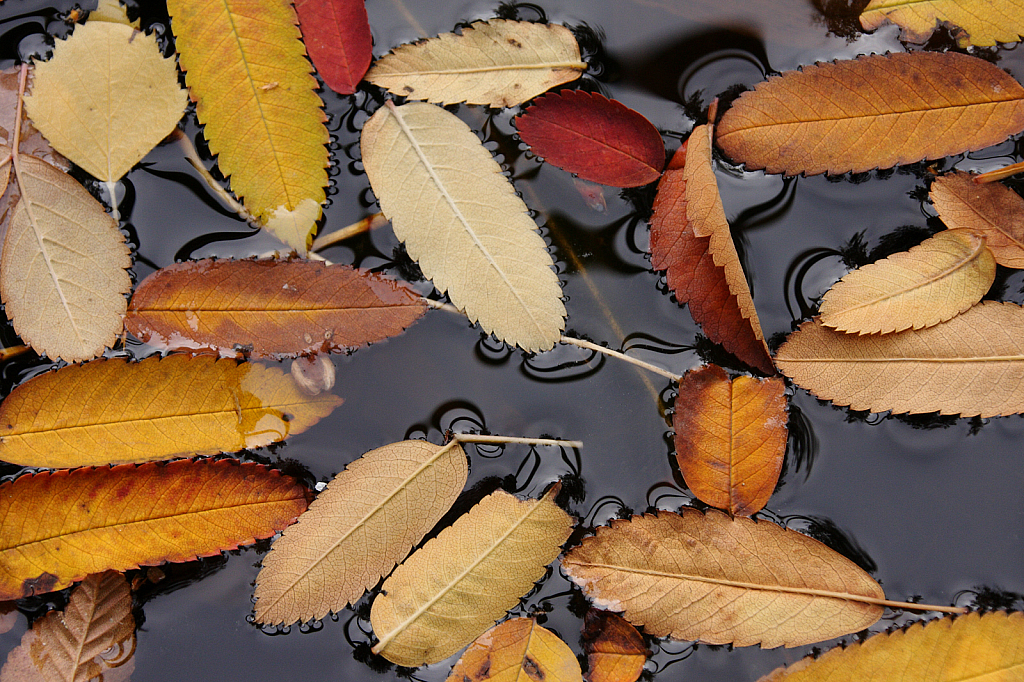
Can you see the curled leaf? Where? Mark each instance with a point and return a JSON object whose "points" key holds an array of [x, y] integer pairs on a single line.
{"points": [[985, 23], [992, 210], [514, 651]]}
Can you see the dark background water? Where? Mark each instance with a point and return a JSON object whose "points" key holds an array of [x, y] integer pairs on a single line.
{"points": [[931, 506]]}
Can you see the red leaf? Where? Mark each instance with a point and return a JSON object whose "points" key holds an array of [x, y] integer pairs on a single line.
{"points": [[597, 138], [337, 36]]}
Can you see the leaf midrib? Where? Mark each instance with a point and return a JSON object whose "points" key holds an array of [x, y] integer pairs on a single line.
{"points": [[578, 66]]}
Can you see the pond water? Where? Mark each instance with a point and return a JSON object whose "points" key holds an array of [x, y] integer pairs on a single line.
{"points": [[932, 507]]}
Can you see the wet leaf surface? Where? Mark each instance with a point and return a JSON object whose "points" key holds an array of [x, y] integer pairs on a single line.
{"points": [[516, 651]]}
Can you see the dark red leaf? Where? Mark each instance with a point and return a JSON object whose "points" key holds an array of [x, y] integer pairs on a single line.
{"points": [[337, 36]]}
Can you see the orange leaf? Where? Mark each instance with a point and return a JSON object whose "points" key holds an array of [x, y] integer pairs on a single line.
{"points": [[277, 308], [517, 650], [615, 650], [690, 239], [992, 210], [730, 438], [58, 527]]}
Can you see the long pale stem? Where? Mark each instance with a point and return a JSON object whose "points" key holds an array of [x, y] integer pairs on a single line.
{"points": [[1000, 173], [192, 156], [479, 438], [621, 356], [370, 222]]}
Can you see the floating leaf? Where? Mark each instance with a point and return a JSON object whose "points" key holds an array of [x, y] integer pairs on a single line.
{"points": [[93, 639], [499, 63], [459, 583], [63, 271], [58, 527], [730, 438], [971, 647], [615, 650], [985, 23], [594, 137], [723, 580], [872, 112], [106, 98], [337, 36], [358, 529], [462, 222], [30, 140], [247, 70], [515, 651], [937, 279], [112, 411], [690, 238], [269, 308], [992, 210], [971, 365]]}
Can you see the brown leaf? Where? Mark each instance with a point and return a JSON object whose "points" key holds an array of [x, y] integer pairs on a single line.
{"points": [[615, 650], [691, 240], [730, 438], [31, 141], [517, 650], [269, 308], [872, 112], [992, 210]]}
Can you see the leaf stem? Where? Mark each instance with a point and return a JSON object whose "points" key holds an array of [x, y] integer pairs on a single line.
{"points": [[1000, 173], [621, 356], [480, 438], [192, 156], [370, 222], [438, 305]]}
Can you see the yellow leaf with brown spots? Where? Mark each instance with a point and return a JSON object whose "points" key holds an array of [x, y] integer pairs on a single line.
{"points": [[517, 650]]}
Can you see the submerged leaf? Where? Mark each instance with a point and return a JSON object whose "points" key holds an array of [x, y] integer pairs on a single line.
{"points": [[337, 36], [615, 650], [992, 210], [30, 140], [58, 527], [986, 22], [516, 651]]}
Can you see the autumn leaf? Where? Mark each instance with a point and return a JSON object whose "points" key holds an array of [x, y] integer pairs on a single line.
{"points": [[872, 112], [93, 639], [337, 37], [30, 140], [58, 527], [594, 137], [971, 365], [462, 221], [269, 308], [615, 650], [730, 438], [691, 240], [247, 71], [63, 270], [499, 63], [358, 529], [517, 650], [986, 23], [973, 647], [459, 583], [723, 580], [113, 411], [992, 210], [937, 279]]}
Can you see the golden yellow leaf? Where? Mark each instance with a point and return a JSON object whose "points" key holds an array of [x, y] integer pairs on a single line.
{"points": [[615, 650], [459, 583], [247, 70], [992, 210], [935, 280], [986, 22], [462, 221], [872, 112], [971, 365], [106, 98], [987, 647], [112, 10], [499, 63], [112, 411], [63, 270], [517, 650], [358, 529], [718, 579], [93, 639]]}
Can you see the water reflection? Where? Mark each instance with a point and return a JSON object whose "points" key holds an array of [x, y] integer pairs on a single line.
{"points": [[826, 531]]}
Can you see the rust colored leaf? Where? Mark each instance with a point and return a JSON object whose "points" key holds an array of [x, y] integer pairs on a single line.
{"points": [[269, 308], [58, 527], [597, 138], [337, 37], [615, 650], [992, 210], [872, 112], [517, 650], [730, 438], [690, 239]]}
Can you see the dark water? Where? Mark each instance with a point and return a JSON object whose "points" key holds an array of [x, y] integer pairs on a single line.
{"points": [[933, 507]]}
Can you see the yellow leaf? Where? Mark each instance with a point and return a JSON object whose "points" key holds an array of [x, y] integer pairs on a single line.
{"points": [[937, 279], [459, 583], [971, 365], [615, 650], [112, 10], [987, 647], [113, 411], [63, 270], [517, 650], [992, 210], [499, 63], [247, 70], [986, 22], [106, 98], [718, 579], [358, 529], [462, 222]]}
